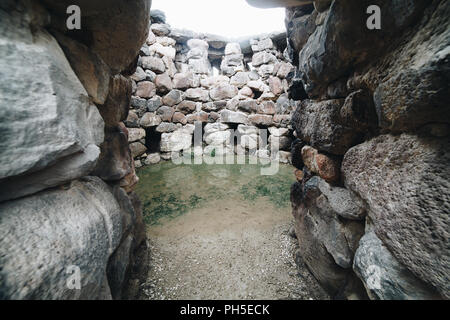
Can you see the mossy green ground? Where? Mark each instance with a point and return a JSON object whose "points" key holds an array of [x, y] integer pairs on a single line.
{"points": [[169, 190]]}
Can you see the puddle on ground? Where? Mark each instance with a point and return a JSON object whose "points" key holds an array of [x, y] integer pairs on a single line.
{"points": [[220, 232], [168, 190]]}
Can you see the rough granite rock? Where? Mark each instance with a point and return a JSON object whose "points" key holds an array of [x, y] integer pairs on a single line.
{"points": [[319, 124], [111, 35], [90, 69], [117, 104], [420, 76], [405, 182], [322, 239], [55, 109], [84, 230], [384, 277], [115, 160], [178, 140]]}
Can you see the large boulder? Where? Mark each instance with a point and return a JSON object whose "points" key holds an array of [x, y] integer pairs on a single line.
{"points": [[405, 181], [420, 75], [93, 73], [45, 112], [223, 91], [339, 44], [84, 230], [326, 243], [320, 125], [384, 277], [111, 35], [178, 140], [114, 162], [117, 104], [227, 116]]}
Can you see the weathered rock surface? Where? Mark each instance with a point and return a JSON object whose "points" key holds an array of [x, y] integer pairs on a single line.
{"points": [[112, 36], [319, 124], [84, 229], [405, 182], [323, 243], [176, 141], [56, 110], [56, 130], [384, 277], [115, 160]]}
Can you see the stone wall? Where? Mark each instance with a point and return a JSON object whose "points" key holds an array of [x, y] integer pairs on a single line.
{"points": [[371, 203], [67, 176], [223, 87]]}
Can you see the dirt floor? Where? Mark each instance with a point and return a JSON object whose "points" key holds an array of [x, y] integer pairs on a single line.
{"points": [[227, 249]]}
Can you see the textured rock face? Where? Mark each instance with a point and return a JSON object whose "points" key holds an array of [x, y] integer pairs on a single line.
{"points": [[64, 97], [59, 225], [327, 242], [125, 22], [320, 125], [405, 182], [375, 101], [384, 276], [55, 109], [172, 92], [421, 82]]}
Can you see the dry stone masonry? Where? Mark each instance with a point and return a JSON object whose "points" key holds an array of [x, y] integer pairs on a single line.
{"points": [[225, 88], [70, 223], [363, 115], [372, 200]]}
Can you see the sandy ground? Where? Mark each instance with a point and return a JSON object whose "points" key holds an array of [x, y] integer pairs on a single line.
{"points": [[226, 250]]}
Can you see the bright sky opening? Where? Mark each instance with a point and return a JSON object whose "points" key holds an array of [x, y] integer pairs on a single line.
{"points": [[229, 18]]}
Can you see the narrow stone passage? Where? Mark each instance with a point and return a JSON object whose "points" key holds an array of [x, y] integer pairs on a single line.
{"points": [[232, 243]]}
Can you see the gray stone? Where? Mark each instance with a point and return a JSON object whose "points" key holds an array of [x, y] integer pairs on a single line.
{"points": [[145, 89], [152, 158], [197, 94], [150, 119], [240, 79], [157, 16], [261, 58], [165, 113], [139, 75], [384, 277], [178, 140], [84, 230], [162, 51], [53, 121], [232, 48], [135, 134], [160, 29], [319, 124], [138, 103], [228, 116], [166, 127], [260, 119], [137, 149], [183, 81], [154, 103], [163, 84], [343, 201], [405, 182], [155, 64], [223, 92], [172, 98], [132, 120], [186, 106]]}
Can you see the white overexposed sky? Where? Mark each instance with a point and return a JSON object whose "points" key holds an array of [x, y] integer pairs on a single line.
{"points": [[230, 18]]}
